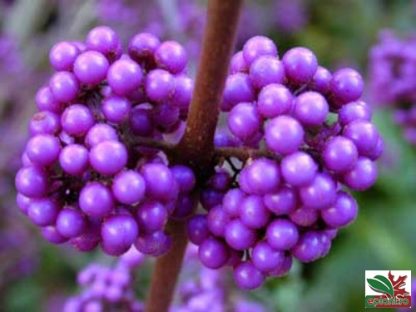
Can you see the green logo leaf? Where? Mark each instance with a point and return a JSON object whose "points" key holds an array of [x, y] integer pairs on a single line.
{"points": [[381, 284]]}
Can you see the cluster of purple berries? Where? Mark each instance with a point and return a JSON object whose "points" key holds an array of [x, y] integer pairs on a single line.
{"points": [[84, 177], [393, 79], [205, 290], [108, 288], [318, 140]]}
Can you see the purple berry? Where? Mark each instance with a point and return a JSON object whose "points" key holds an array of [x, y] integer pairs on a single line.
{"points": [[247, 276], [282, 234], [124, 76], [300, 65], [342, 212], [108, 157], [213, 253], [91, 67], [311, 109], [96, 200], [284, 135], [298, 169], [320, 193], [274, 100], [244, 121], [74, 159], [77, 119]]}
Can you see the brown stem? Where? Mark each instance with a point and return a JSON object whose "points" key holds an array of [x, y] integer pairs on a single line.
{"points": [[196, 148], [198, 141], [167, 270]]}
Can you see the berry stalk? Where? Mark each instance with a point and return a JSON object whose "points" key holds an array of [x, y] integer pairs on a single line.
{"points": [[197, 146]]}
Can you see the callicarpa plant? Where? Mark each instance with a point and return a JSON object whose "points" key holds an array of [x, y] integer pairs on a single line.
{"points": [[124, 147]]}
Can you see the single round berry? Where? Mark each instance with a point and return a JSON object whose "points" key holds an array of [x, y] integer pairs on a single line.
{"points": [[185, 178], [43, 211], [124, 76], [283, 202], [284, 135], [232, 201], [105, 40], [43, 149], [159, 85], [262, 176], [116, 109], [244, 121], [64, 86], [265, 258], [298, 169], [362, 176], [321, 81], [74, 159], [253, 213], [171, 56], [96, 200], [118, 233], [160, 182], [308, 248], [340, 154], [238, 236], [237, 89], [77, 119], [152, 216], [31, 182], [129, 187], [184, 88], [91, 67], [62, 56], [311, 109], [108, 157], [256, 47], [213, 253], [70, 222], [44, 123], [282, 234], [143, 46], [274, 100], [342, 212], [247, 276], [140, 121], [320, 193], [347, 85], [197, 229], [300, 65], [266, 70]]}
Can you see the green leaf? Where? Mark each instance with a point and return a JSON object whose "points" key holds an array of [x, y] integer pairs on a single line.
{"points": [[378, 286], [386, 281]]}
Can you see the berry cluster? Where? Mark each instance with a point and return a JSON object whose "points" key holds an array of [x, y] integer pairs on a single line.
{"points": [[85, 177], [313, 138], [108, 288], [393, 79]]}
